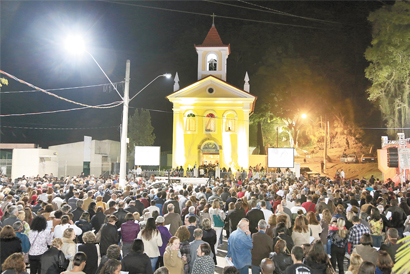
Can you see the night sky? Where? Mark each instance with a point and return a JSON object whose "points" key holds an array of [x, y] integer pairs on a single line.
{"points": [[159, 41]]}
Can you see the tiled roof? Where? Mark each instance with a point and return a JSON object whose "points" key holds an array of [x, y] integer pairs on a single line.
{"points": [[213, 39]]}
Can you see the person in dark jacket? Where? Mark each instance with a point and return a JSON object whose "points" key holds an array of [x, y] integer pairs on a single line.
{"points": [[8, 239], [84, 224], [173, 200], [89, 247], [91, 209], [109, 234], [317, 258], [113, 252], [53, 261], [280, 257], [281, 231], [78, 211], [137, 262], [133, 208], [129, 232], [120, 214], [98, 219], [209, 235], [235, 216], [254, 216]]}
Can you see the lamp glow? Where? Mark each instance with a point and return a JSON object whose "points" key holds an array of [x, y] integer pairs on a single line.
{"points": [[167, 75], [304, 116], [75, 44]]}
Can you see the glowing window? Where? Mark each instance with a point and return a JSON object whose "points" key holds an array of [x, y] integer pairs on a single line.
{"points": [[230, 122], [212, 62], [190, 124], [210, 122]]}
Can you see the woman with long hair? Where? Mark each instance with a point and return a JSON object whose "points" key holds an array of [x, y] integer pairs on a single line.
{"points": [[314, 225], [14, 264], [300, 234], [338, 239], [69, 247], [39, 239], [376, 227], [367, 268], [9, 243], [325, 222], [217, 219], [384, 263], [355, 262], [28, 216], [91, 209], [272, 225], [317, 258], [151, 237], [183, 235], [84, 224], [173, 259], [112, 266]]}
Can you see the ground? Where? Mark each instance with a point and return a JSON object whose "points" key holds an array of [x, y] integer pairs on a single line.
{"points": [[352, 170]]}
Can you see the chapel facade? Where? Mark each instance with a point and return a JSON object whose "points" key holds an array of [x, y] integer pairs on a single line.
{"points": [[210, 116]]}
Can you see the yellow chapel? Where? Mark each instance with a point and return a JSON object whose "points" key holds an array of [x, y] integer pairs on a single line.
{"points": [[210, 116]]}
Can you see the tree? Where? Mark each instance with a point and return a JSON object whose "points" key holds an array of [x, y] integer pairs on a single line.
{"points": [[3, 81], [140, 130], [389, 69]]}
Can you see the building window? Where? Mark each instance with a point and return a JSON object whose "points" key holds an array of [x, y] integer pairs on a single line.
{"points": [[210, 122], [230, 122], [212, 62], [190, 124]]}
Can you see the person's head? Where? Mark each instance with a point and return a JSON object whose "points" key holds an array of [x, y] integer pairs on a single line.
{"points": [[297, 254], [244, 224], [311, 217], [79, 260], [267, 266], [129, 217], [183, 233], [203, 250], [39, 223], [112, 219], [216, 204], [57, 243], [355, 219], [69, 233], [206, 224], [174, 242], [112, 266], [317, 252], [366, 239], [280, 246], [79, 203], [355, 262], [162, 270], [198, 233], [262, 225], [171, 208], [230, 270], [138, 246], [300, 224], [18, 226], [192, 220], [89, 237], [384, 261], [13, 210], [393, 235], [15, 262], [7, 232], [113, 252], [367, 268], [85, 216]]}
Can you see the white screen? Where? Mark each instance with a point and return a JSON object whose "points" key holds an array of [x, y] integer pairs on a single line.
{"points": [[147, 156], [280, 157]]}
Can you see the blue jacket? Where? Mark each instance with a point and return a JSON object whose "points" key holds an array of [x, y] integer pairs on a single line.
{"points": [[239, 248], [25, 243]]}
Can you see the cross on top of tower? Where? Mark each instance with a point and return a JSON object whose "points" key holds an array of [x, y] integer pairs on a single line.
{"points": [[213, 19]]}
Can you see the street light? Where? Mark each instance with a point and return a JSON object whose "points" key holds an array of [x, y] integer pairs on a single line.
{"points": [[76, 45]]}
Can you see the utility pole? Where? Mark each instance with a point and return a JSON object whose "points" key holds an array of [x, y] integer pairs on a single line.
{"points": [[124, 128], [325, 154]]}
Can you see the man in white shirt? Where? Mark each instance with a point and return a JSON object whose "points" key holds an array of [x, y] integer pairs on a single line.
{"points": [[267, 213], [342, 174], [297, 206], [66, 223]]}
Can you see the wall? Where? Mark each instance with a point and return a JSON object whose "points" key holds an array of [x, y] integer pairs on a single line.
{"points": [[33, 162], [70, 158], [258, 159]]}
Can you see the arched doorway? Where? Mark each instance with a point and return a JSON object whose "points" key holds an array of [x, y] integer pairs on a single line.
{"points": [[209, 153]]}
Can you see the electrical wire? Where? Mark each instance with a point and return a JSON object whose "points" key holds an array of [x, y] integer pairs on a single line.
{"points": [[53, 111], [56, 89], [278, 12], [220, 16], [52, 94], [145, 87], [56, 128]]}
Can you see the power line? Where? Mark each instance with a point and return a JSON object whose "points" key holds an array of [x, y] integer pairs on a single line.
{"points": [[220, 16], [57, 128], [58, 89], [55, 111], [54, 95]]}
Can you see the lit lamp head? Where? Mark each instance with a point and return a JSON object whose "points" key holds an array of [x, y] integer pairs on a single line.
{"points": [[75, 44], [167, 75], [304, 116]]}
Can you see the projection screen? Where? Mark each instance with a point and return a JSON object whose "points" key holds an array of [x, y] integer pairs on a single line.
{"points": [[147, 156], [280, 157]]}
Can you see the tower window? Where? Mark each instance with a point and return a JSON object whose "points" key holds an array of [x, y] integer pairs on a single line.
{"points": [[212, 61]]}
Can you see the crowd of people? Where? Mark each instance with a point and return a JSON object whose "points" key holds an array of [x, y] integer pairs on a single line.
{"points": [[91, 225]]}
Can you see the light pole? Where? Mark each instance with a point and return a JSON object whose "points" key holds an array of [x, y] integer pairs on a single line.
{"points": [[75, 44]]}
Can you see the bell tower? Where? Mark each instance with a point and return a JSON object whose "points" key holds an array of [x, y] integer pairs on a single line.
{"points": [[212, 56]]}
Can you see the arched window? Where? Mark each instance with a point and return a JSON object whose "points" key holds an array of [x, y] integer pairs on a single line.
{"points": [[210, 122], [230, 122], [190, 122], [212, 62]]}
